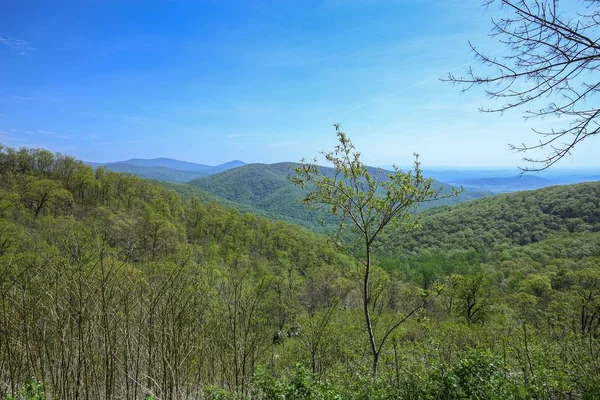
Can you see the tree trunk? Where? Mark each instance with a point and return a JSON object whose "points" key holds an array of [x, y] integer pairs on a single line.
{"points": [[366, 301]]}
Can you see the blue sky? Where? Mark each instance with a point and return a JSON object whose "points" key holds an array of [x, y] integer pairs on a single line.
{"points": [[260, 81]]}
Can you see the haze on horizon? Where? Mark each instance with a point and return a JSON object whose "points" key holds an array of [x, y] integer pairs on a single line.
{"points": [[209, 82]]}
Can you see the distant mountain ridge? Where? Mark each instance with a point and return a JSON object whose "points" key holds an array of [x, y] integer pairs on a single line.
{"points": [[167, 169], [507, 181], [166, 163], [506, 184], [474, 180]]}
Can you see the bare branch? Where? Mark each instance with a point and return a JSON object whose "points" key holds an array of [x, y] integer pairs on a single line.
{"points": [[551, 56]]}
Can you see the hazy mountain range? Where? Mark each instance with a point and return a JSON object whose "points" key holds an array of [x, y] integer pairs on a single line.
{"points": [[510, 180], [490, 180], [166, 169]]}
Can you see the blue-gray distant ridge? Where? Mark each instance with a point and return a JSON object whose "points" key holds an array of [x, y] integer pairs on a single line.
{"points": [[167, 169]]}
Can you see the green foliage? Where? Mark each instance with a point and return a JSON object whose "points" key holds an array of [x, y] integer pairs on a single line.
{"points": [[32, 390], [213, 392], [103, 271], [300, 386], [368, 205], [116, 287], [476, 376], [515, 219], [361, 200], [267, 188]]}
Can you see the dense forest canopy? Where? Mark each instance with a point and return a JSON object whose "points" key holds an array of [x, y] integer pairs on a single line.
{"points": [[267, 188], [114, 287], [505, 220]]}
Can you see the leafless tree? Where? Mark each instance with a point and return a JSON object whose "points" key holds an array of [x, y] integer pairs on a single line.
{"points": [[551, 70]]}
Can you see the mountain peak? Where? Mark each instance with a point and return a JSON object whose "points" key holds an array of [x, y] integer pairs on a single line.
{"points": [[229, 165]]}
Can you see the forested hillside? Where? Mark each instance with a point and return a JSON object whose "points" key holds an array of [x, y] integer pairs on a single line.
{"points": [[504, 220], [113, 287], [267, 188], [264, 187], [109, 281]]}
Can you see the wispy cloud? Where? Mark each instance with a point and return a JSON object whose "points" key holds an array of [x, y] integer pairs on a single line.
{"points": [[359, 3], [22, 98], [4, 136], [19, 46], [235, 135], [435, 77], [51, 133], [294, 58], [287, 143], [145, 140]]}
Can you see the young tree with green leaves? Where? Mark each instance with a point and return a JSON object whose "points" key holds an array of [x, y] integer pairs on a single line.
{"points": [[368, 205]]}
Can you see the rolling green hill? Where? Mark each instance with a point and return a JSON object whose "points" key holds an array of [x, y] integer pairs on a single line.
{"points": [[507, 220], [267, 188], [188, 191]]}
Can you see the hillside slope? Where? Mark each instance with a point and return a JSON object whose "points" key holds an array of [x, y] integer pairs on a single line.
{"points": [[514, 219], [267, 187]]}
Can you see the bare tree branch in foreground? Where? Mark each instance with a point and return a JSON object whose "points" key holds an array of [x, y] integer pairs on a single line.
{"points": [[553, 57]]}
